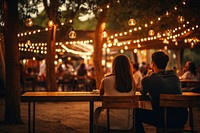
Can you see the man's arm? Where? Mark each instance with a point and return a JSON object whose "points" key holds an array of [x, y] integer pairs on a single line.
{"points": [[145, 85]]}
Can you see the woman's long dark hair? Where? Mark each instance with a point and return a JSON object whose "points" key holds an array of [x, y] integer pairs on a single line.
{"points": [[122, 70]]}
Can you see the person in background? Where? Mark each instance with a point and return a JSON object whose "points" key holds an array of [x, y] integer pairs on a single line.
{"points": [[184, 69], [119, 83], [137, 76], [190, 73], [161, 81], [82, 80], [92, 81], [143, 68], [148, 68], [82, 71]]}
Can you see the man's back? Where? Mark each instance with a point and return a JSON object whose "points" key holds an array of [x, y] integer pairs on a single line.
{"points": [[163, 82]]}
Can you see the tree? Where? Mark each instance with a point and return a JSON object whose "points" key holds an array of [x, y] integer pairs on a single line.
{"points": [[12, 80], [98, 45]]}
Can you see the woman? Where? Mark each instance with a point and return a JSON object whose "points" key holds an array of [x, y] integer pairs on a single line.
{"points": [[191, 73], [119, 83]]}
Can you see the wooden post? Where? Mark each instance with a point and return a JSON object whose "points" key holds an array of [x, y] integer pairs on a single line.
{"points": [[50, 67]]}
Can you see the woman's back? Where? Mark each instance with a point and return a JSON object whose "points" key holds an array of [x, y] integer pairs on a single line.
{"points": [[119, 83], [119, 118]]}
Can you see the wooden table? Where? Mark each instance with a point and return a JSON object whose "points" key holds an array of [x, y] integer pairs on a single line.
{"points": [[32, 97]]}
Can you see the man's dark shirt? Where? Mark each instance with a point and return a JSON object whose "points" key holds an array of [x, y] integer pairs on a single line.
{"points": [[163, 82]]}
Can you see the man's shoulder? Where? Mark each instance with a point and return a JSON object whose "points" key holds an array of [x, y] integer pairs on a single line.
{"points": [[147, 78]]}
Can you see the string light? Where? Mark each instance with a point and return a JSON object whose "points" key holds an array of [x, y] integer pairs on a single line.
{"points": [[167, 35], [104, 34]]}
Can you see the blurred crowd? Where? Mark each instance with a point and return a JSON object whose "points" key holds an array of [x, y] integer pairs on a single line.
{"points": [[82, 77]]}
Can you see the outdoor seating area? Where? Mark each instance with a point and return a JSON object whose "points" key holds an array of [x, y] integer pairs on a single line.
{"points": [[100, 66], [188, 99]]}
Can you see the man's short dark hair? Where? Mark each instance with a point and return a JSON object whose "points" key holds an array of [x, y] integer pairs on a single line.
{"points": [[160, 59]]}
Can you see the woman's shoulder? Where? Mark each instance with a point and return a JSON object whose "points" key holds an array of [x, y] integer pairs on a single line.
{"points": [[108, 78], [109, 75]]}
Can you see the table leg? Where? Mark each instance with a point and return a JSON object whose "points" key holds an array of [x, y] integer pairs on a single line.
{"points": [[33, 117], [29, 117], [91, 115]]}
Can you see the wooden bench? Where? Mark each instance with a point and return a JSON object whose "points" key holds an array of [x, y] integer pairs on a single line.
{"points": [[120, 102], [189, 100]]}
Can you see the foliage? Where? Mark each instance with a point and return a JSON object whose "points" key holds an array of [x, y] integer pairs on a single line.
{"points": [[119, 13], [191, 55], [84, 25]]}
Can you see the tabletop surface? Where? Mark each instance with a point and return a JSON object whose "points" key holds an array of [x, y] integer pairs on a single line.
{"points": [[30, 94], [71, 96]]}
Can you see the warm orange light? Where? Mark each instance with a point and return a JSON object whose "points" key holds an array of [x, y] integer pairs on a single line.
{"points": [[72, 34], [50, 23], [131, 22], [29, 22], [104, 34]]}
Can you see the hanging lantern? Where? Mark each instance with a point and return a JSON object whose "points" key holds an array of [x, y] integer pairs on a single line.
{"points": [[104, 34], [29, 22], [159, 35], [72, 34], [180, 19], [151, 32], [50, 23], [165, 41], [131, 22]]}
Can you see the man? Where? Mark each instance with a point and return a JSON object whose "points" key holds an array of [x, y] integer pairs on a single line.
{"points": [[161, 81]]}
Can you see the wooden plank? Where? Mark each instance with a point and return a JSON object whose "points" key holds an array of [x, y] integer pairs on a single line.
{"points": [[188, 99], [120, 102], [59, 97]]}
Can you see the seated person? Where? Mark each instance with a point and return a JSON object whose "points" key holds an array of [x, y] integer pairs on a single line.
{"points": [[184, 69], [119, 83], [190, 73], [161, 81]]}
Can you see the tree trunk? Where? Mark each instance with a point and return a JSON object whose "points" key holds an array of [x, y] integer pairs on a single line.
{"points": [[12, 78], [52, 12], [98, 45], [2, 67], [50, 58]]}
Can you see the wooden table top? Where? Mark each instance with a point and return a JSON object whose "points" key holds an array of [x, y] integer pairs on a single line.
{"points": [[71, 96], [59, 96]]}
